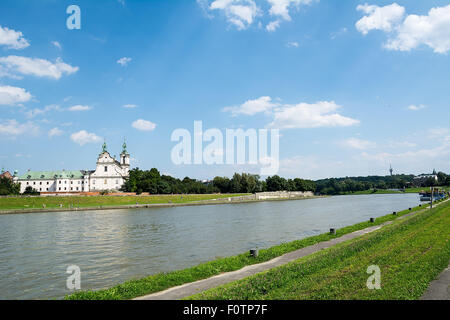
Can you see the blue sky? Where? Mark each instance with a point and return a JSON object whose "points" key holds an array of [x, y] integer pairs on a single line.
{"points": [[352, 85]]}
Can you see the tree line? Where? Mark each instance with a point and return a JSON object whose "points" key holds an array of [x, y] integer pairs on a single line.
{"points": [[153, 182], [335, 186]]}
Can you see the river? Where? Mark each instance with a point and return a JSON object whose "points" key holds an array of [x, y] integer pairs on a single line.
{"points": [[114, 246]]}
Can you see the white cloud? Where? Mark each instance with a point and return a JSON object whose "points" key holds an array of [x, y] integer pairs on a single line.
{"points": [[422, 158], [243, 13], [410, 32], [12, 39], [124, 61], [292, 44], [416, 155], [55, 132], [129, 106], [401, 144], [13, 128], [432, 30], [252, 107], [312, 167], [379, 18], [57, 44], [355, 143], [35, 67], [304, 115], [13, 95], [35, 112], [281, 7], [438, 133], [240, 13], [83, 137], [416, 107], [272, 26], [144, 125], [79, 108]]}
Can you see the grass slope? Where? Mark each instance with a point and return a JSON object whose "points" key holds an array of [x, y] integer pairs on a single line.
{"points": [[162, 281], [379, 191], [410, 253], [14, 203]]}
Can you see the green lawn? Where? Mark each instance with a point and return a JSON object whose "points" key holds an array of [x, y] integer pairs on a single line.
{"points": [[162, 281], [14, 203], [409, 190], [410, 253]]}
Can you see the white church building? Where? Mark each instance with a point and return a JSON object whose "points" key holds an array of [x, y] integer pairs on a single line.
{"points": [[110, 174]]}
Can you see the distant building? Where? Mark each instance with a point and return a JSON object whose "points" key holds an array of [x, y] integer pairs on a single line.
{"points": [[6, 174], [110, 174], [422, 178]]}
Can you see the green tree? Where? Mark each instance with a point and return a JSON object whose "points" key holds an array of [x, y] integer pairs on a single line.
{"points": [[8, 187]]}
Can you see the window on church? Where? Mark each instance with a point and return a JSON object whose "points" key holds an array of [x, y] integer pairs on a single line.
{"points": [[106, 168], [106, 181]]}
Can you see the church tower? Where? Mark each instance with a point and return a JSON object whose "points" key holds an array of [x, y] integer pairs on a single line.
{"points": [[125, 159]]}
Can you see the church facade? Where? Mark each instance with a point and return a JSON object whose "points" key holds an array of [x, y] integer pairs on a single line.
{"points": [[110, 174]]}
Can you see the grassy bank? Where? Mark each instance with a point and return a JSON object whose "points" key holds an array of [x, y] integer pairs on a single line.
{"points": [[410, 254], [159, 282], [380, 191], [22, 203]]}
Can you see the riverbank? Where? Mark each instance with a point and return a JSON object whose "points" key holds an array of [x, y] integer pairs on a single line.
{"points": [[160, 282], [410, 253], [390, 191], [31, 204], [21, 205]]}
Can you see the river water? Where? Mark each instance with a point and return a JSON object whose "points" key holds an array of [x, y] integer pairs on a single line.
{"points": [[114, 246]]}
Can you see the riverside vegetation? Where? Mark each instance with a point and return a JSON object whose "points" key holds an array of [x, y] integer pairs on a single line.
{"points": [[162, 281]]}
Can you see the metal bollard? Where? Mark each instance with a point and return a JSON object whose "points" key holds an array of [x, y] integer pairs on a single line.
{"points": [[254, 253]]}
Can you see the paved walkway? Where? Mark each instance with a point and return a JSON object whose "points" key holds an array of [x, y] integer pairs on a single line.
{"points": [[439, 289], [192, 288]]}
